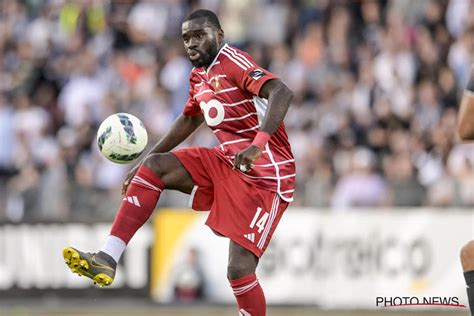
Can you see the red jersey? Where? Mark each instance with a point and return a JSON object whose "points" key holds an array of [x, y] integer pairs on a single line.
{"points": [[226, 93]]}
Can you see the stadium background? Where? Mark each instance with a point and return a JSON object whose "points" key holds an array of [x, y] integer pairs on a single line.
{"points": [[372, 126]]}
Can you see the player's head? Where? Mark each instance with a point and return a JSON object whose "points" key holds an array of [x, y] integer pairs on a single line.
{"points": [[202, 36]]}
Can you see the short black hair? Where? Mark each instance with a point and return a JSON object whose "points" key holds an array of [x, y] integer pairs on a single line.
{"points": [[209, 15]]}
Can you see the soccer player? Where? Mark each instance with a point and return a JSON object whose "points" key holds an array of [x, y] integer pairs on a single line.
{"points": [[246, 182], [466, 133]]}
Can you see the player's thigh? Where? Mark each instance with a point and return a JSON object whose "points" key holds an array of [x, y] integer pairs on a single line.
{"points": [[242, 262], [171, 172]]}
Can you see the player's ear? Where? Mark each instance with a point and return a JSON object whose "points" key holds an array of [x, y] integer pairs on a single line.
{"points": [[220, 35]]}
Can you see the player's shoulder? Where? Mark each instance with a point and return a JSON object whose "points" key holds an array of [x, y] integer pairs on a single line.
{"points": [[230, 56], [196, 75]]}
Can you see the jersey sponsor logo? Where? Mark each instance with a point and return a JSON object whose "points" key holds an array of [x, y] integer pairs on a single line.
{"points": [[216, 84], [132, 199], [213, 112], [250, 237], [257, 74]]}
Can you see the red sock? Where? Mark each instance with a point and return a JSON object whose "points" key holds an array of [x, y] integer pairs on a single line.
{"points": [[249, 295], [138, 204]]}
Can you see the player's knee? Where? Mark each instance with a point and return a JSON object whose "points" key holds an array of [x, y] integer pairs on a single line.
{"points": [[241, 267], [238, 270], [467, 256], [157, 163]]}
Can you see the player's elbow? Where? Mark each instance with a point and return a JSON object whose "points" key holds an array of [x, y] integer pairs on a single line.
{"points": [[290, 94], [286, 93]]}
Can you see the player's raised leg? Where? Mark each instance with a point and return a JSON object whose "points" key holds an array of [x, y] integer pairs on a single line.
{"points": [[158, 172], [241, 274], [467, 261]]}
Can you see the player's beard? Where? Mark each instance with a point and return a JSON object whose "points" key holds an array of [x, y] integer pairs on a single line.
{"points": [[206, 57]]}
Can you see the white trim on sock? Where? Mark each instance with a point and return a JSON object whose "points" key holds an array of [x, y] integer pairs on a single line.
{"points": [[114, 247]]}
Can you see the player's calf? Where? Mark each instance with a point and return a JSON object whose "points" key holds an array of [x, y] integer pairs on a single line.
{"points": [[137, 206], [241, 274], [138, 203]]}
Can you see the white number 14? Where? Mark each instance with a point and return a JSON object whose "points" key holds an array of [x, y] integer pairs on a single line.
{"points": [[260, 223]]}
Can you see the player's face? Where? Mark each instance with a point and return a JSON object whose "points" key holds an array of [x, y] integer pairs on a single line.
{"points": [[201, 40]]}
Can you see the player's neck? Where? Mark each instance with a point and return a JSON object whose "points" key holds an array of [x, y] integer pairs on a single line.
{"points": [[215, 56]]}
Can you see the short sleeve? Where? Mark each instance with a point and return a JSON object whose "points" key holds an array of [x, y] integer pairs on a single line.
{"points": [[192, 107], [243, 70]]}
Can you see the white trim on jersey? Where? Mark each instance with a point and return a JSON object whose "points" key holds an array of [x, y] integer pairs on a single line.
{"points": [[226, 90], [236, 141], [239, 56], [191, 198], [209, 81], [272, 178], [213, 64], [240, 117], [202, 92], [237, 132], [277, 169], [287, 191], [273, 211], [235, 61], [229, 53], [247, 129], [215, 61], [261, 105], [238, 103], [211, 91], [278, 163]]}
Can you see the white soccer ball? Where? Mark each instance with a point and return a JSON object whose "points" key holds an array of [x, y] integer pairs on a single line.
{"points": [[122, 138]]}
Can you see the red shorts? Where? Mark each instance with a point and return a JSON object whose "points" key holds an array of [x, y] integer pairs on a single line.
{"points": [[244, 213]]}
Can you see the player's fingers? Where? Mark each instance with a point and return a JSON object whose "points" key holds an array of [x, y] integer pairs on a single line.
{"points": [[237, 160], [124, 187], [245, 164]]}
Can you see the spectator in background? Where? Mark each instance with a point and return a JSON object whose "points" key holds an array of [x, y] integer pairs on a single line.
{"points": [[189, 280], [360, 185], [403, 187]]}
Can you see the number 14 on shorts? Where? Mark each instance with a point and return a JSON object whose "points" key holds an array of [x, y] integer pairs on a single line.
{"points": [[259, 221]]}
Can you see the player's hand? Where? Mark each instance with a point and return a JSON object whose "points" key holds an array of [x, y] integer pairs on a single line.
{"points": [[129, 178], [244, 158]]}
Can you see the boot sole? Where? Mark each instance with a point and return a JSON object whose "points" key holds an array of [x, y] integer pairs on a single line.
{"points": [[73, 260]]}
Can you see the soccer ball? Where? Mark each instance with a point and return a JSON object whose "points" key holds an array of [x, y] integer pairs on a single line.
{"points": [[122, 138]]}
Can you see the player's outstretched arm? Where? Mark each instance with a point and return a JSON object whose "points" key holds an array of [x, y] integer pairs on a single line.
{"points": [[279, 98], [466, 111], [181, 128]]}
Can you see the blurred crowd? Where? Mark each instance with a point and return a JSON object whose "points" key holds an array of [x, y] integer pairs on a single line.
{"points": [[377, 85]]}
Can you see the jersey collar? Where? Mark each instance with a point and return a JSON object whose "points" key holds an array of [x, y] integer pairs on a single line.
{"points": [[215, 58]]}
